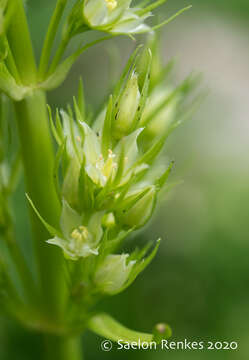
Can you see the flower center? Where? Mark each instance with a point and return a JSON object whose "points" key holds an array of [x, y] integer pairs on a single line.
{"points": [[80, 236], [111, 4], [106, 167]]}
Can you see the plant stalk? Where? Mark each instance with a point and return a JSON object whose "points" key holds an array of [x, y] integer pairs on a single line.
{"points": [[37, 153], [38, 162], [63, 348]]}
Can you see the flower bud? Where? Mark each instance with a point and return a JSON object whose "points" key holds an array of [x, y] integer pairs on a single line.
{"points": [[113, 273], [108, 220], [140, 213], [158, 114], [127, 108]]}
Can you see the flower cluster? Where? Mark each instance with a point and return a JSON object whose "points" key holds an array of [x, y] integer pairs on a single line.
{"points": [[111, 173]]}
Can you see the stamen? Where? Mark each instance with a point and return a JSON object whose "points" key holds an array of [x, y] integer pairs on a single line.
{"points": [[111, 4], [80, 234]]}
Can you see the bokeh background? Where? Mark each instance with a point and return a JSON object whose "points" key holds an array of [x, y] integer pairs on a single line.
{"points": [[199, 281]]}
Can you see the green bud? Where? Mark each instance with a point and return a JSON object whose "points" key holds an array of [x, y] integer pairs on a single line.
{"points": [[108, 220], [141, 212], [113, 273], [127, 108]]}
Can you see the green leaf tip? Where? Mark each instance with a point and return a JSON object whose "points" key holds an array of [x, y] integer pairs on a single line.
{"points": [[109, 328], [49, 228], [106, 326]]}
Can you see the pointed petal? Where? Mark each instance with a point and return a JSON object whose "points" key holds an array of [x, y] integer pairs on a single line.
{"points": [[95, 12], [70, 219]]}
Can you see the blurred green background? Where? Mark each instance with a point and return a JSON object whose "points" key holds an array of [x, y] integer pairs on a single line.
{"points": [[198, 282]]}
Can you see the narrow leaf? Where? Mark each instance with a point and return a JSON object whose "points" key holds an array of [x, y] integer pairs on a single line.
{"points": [[107, 327]]}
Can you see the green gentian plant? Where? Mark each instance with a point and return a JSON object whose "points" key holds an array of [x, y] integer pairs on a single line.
{"points": [[102, 184]]}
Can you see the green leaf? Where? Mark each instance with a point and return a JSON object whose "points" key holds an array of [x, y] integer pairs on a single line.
{"points": [[106, 135], [9, 86], [49, 228], [53, 128], [104, 325], [144, 92], [57, 162], [151, 154], [151, 7], [171, 18], [164, 177], [3, 48], [140, 266], [81, 99], [59, 75], [128, 68]]}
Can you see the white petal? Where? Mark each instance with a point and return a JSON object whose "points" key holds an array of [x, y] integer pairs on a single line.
{"points": [[70, 219]]}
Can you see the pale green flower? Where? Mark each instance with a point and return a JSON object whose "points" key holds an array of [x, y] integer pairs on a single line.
{"points": [[80, 237], [113, 273], [114, 16], [102, 169]]}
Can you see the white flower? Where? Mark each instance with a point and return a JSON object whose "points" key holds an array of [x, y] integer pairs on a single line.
{"points": [[80, 237], [114, 16], [101, 169]]}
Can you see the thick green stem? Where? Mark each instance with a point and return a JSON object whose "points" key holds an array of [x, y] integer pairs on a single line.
{"points": [[63, 348], [21, 266], [38, 158]]}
